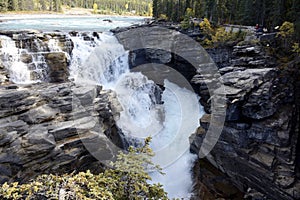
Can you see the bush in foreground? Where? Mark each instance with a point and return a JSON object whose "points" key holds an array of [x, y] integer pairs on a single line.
{"points": [[127, 180]]}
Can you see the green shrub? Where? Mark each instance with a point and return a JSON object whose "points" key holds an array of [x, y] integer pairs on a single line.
{"points": [[286, 30], [127, 180], [163, 17], [296, 48], [218, 36], [186, 22]]}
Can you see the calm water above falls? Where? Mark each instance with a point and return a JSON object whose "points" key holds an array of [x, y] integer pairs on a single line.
{"points": [[67, 23]]}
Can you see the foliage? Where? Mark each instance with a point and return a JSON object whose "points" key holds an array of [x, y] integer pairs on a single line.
{"points": [[186, 22], [95, 8], [286, 30], [127, 180], [267, 13], [206, 27], [163, 17], [296, 48], [218, 36], [143, 7], [287, 35]]}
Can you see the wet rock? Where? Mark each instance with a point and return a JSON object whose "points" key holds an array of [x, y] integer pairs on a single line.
{"points": [[57, 67], [26, 58]]}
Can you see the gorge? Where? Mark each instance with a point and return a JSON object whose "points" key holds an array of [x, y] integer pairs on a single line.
{"points": [[42, 132]]}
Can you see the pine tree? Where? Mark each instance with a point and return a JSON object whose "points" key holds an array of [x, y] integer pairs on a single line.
{"points": [[3, 5]]}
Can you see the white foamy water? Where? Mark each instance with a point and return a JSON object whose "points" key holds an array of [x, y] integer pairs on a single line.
{"points": [[106, 63], [169, 124], [24, 65], [19, 72], [171, 144]]}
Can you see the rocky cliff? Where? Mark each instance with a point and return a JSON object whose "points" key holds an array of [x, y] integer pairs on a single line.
{"points": [[43, 131], [260, 139], [51, 125]]}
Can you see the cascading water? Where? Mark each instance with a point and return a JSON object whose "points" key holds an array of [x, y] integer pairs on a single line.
{"points": [[19, 72], [147, 110], [102, 60], [33, 69], [53, 45], [107, 54]]}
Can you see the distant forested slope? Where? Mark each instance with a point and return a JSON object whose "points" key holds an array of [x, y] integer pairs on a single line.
{"points": [[140, 7], [268, 13]]}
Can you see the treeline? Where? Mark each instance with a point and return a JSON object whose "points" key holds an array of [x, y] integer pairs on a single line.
{"points": [[268, 13], [140, 7], [31, 5]]}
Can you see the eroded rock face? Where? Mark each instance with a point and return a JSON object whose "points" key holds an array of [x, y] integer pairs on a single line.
{"points": [[257, 147], [45, 128]]}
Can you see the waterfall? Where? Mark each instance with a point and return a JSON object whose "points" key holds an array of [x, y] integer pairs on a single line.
{"points": [[171, 144], [53, 45], [102, 60], [106, 63], [11, 59], [98, 58], [24, 64]]}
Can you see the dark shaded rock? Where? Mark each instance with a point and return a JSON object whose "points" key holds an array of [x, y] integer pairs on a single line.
{"points": [[26, 58], [213, 184], [57, 67]]}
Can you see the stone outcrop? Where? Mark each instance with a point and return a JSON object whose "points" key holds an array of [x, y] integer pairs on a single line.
{"points": [[258, 145], [57, 67], [55, 128]]}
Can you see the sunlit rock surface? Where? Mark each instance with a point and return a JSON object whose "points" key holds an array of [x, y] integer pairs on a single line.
{"points": [[43, 127]]}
